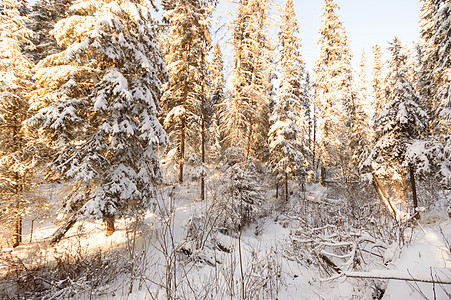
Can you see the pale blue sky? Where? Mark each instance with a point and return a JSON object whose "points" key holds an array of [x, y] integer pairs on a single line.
{"points": [[367, 22]]}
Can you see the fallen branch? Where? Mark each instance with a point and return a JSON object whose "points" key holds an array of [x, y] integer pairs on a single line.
{"points": [[397, 214], [61, 231], [329, 262], [397, 275]]}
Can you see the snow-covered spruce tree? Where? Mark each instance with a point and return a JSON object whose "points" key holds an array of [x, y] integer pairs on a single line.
{"points": [[247, 114], [435, 79], [293, 69], [217, 80], [360, 132], [379, 97], [428, 56], [217, 104], [183, 102], [288, 140], [97, 105], [362, 86], [307, 102], [17, 162], [432, 156], [399, 125], [44, 15], [334, 90]]}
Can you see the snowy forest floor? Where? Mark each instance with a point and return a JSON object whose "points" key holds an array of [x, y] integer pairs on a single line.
{"points": [[309, 248]]}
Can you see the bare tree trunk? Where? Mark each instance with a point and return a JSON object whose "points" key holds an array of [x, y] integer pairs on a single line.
{"points": [[202, 179], [182, 135], [414, 190], [31, 230], [17, 227], [182, 150], [61, 231], [314, 140], [109, 225], [277, 189], [323, 176], [17, 231], [384, 196], [248, 146], [286, 186]]}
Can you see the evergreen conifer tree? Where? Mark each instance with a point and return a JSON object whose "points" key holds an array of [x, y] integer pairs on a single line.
{"points": [[306, 100], [379, 97], [360, 132], [247, 114], [17, 162], [44, 15], [400, 124], [186, 92], [434, 79], [288, 140], [97, 103], [217, 103], [334, 90]]}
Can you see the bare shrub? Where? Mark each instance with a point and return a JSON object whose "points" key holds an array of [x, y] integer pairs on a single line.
{"points": [[61, 273]]}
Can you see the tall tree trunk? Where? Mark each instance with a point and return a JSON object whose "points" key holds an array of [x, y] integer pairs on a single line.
{"points": [[61, 231], [182, 134], [20, 223], [277, 188], [17, 227], [202, 179], [414, 190], [323, 176], [183, 123], [286, 187], [109, 225], [248, 146], [314, 140], [384, 196], [17, 231], [31, 230], [182, 150]]}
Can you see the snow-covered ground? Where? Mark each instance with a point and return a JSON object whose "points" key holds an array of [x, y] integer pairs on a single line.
{"points": [[261, 261], [427, 257]]}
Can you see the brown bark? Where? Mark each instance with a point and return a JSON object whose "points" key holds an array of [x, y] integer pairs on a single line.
{"points": [[323, 176], [17, 227], [277, 189], [414, 190], [202, 188], [182, 135], [182, 150], [61, 231], [17, 231], [286, 186], [249, 136], [109, 225], [314, 139], [330, 263], [202, 179], [31, 230], [384, 196]]}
